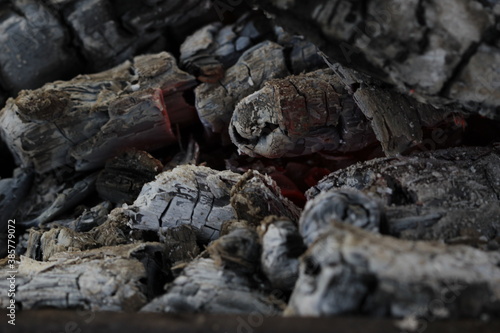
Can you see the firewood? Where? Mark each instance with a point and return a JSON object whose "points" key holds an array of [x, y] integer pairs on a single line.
{"points": [[256, 196], [350, 270], [132, 105], [192, 195], [449, 195], [104, 279], [281, 247]]}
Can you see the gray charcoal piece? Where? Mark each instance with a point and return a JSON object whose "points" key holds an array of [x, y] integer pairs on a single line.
{"points": [[348, 206], [90, 218], [215, 102], [35, 46], [104, 279], [350, 270], [449, 195], [300, 115], [192, 195], [282, 245], [427, 49], [132, 105], [257, 196], [206, 287]]}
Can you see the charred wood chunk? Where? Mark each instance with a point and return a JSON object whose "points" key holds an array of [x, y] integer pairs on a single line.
{"points": [[212, 49], [206, 287], [34, 46], [449, 195], [345, 206], [350, 270], [123, 176], [215, 102], [105, 279], [42, 244], [180, 244], [239, 250], [281, 247], [191, 195], [421, 47], [300, 115], [257, 196], [104, 42], [131, 105]]}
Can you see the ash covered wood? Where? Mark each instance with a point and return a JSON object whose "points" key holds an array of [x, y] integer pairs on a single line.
{"points": [[132, 105], [192, 195], [350, 270], [256, 196], [106, 279], [449, 195]]}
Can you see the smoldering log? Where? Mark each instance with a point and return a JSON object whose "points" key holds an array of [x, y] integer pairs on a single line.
{"points": [[281, 247], [428, 48], [193, 195], [206, 287], [215, 101], [350, 270], [124, 175], [104, 279], [324, 112], [300, 115], [346, 206], [256, 196], [132, 105], [449, 195]]}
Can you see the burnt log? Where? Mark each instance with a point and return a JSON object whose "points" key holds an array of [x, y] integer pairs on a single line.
{"points": [[438, 51], [131, 106], [191, 195], [447, 195], [112, 279], [350, 270]]}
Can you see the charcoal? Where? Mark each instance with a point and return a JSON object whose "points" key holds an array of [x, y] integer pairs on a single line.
{"points": [[180, 244], [215, 101], [124, 175], [34, 46], [439, 51], [191, 195], [130, 106], [256, 196], [239, 249], [90, 218], [206, 287], [281, 247], [350, 270], [346, 206], [448, 195], [104, 279]]}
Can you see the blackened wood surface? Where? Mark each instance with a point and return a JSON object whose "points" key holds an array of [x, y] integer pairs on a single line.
{"points": [[442, 51]]}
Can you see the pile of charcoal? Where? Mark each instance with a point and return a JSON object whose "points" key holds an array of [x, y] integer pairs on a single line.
{"points": [[245, 172]]}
